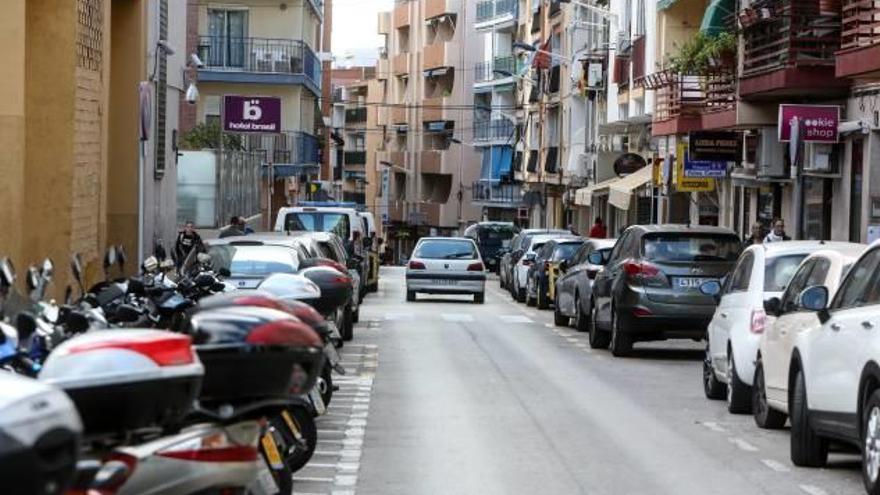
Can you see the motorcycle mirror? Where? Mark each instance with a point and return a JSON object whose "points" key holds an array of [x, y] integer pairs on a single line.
{"points": [[127, 313], [76, 268], [224, 272], [7, 272], [68, 294], [32, 281], [110, 257], [121, 258], [151, 264], [26, 323], [48, 268]]}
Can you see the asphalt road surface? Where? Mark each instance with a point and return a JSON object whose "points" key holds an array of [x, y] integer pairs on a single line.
{"points": [[493, 398]]}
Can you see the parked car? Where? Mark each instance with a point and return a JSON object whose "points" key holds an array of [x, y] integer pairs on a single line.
{"points": [[551, 254], [529, 248], [492, 239], [649, 288], [825, 267], [574, 288], [250, 259], [329, 246], [446, 265], [834, 376], [762, 272], [509, 259]]}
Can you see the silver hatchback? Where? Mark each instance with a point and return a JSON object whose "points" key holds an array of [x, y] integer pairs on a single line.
{"points": [[446, 265]]}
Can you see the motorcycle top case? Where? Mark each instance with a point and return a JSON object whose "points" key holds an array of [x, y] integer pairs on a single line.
{"points": [[264, 299], [126, 380], [39, 436], [336, 288], [253, 354]]}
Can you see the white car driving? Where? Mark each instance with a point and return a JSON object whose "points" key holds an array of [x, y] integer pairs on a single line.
{"points": [[770, 391], [446, 265]]}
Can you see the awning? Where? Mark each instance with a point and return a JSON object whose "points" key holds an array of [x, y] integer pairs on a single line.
{"points": [[717, 13], [584, 195], [354, 174], [664, 4], [621, 192]]}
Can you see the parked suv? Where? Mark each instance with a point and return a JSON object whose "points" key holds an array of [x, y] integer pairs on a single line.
{"points": [[649, 288], [834, 378]]}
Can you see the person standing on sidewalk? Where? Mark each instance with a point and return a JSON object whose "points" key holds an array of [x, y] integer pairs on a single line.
{"points": [[598, 230], [757, 236], [778, 232], [233, 229], [187, 240]]}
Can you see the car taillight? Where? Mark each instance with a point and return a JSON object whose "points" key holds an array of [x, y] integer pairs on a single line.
{"points": [[759, 321], [416, 265], [475, 267], [332, 264], [216, 447], [285, 332], [645, 273], [168, 350]]}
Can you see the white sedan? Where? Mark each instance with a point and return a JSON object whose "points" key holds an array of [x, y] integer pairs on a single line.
{"points": [[446, 265]]}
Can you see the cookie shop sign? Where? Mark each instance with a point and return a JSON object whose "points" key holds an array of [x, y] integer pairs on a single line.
{"points": [[811, 123]]}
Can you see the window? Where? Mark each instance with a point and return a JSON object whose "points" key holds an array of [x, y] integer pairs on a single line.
{"points": [[446, 250], [742, 274], [565, 251], [674, 246], [227, 30], [336, 223], [860, 287], [799, 282], [779, 270], [253, 260]]}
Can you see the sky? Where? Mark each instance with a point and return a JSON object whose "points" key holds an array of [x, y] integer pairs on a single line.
{"points": [[354, 30]]}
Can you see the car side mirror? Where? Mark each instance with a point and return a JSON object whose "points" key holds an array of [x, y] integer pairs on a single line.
{"points": [[7, 272], [596, 258], [110, 257], [773, 306], [815, 298]]}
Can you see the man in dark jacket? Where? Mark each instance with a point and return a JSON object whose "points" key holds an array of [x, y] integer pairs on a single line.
{"points": [[233, 229], [187, 240]]}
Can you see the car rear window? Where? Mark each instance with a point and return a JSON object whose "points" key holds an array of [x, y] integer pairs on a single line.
{"points": [[446, 250], [685, 246], [779, 270], [495, 235], [317, 221], [256, 261], [565, 251], [536, 246]]}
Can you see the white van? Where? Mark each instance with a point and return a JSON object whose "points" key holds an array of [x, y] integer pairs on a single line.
{"points": [[369, 223], [343, 222]]}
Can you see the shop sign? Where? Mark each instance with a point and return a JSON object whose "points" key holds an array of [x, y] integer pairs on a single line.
{"points": [[628, 163], [251, 114], [689, 184], [811, 123], [715, 146], [703, 168]]}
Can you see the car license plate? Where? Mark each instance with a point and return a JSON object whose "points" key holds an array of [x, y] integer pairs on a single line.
{"points": [[271, 450], [444, 281], [690, 283]]}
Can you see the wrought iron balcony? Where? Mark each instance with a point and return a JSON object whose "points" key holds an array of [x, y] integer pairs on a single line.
{"points": [[263, 56], [497, 193], [488, 10], [494, 130]]}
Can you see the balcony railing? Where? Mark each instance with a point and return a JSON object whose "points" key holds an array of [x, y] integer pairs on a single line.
{"points": [[861, 24], [356, 157], [497, 193], [494, 130], [676, 95], [720, 91], [288, 148], [789, 33], [356, 115], [488, 10], [498, 68], [259, 55]]}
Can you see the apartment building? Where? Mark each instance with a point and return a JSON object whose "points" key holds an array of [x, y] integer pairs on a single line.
{"points": [[262, 48], [428, 162], [349, 133]]}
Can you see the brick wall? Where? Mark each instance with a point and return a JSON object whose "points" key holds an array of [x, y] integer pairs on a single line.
{"points": [[187, 111], [88, 156]]}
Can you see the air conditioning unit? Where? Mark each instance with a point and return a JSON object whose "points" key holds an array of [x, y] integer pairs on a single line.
{"points": [[770, 156]]}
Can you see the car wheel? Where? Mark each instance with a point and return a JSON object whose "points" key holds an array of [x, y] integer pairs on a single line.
{"points": [[807, 448], [738, 393], [582, 320], [347, 326], [599, 339], [621, 342], [326, 383], [410, 296], [480, 297], [765, 416], [871, 444], [713, 388], [559, 319]]}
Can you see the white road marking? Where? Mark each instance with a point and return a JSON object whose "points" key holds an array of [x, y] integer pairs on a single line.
{"points": [[549, 325], [307, 479], [515, 319], [457, 317], [713, 426], [742, 444], [572, 340], [580, 344], [399, 316], [346, 480], [776, 465], [812, 490]]}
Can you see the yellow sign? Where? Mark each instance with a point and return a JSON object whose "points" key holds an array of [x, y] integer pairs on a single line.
{"points": [[689, 184], [657, 171]]}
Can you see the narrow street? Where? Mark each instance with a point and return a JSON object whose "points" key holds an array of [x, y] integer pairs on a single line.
{"points": [[493, 398]]}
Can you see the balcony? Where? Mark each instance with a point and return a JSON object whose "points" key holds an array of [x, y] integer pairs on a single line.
{"points": [[440, 54], [491, 13], [259, 60], [496, 130], [678, 102], [401, 15], [400, 64], [436, 162], [355, 115], [789, 49], [436, 8], [859, 55], [498, 69], [395, 159], [384, 23], [355, 157], [294, 153], [499, 195], [435, 109]]}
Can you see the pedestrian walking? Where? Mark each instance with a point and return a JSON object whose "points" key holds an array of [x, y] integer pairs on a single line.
{"points": [[233, 229], [187, 240], [598, 230], [757, 235], [778, 232]]}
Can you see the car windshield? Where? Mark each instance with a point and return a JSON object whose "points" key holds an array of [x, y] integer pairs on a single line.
{"points": [[495, 235], [253, 261], [565, 251], [446, 250], [683, 246], [317, 221], [779, 270]]}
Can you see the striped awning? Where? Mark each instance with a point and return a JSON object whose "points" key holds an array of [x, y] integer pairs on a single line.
{"points": [[716, 16]]}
